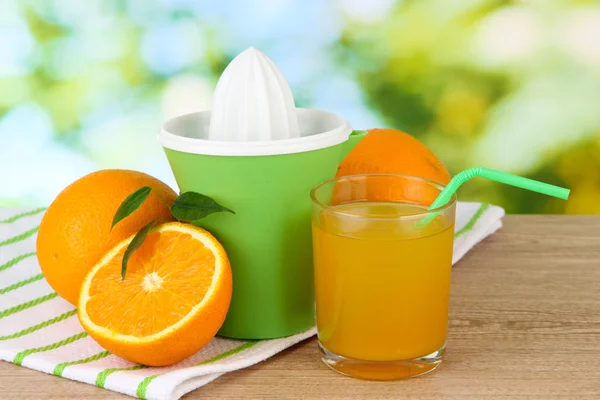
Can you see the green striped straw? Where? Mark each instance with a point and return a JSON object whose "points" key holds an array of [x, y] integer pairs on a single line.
{"points": [[493, 175]]}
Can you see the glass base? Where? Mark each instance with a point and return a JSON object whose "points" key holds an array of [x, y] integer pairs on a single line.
{"points": [[382, 370]]}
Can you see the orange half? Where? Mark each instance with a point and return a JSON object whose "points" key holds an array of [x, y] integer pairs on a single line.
{"points": [[172, 302]]}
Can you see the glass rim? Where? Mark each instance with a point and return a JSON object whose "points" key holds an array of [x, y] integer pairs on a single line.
{"points": [[438, 185]]}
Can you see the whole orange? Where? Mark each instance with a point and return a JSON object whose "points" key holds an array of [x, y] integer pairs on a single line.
{"points": [[75, 231], [389, 151]]}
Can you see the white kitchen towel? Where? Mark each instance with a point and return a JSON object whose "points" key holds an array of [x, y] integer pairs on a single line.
{"points": [[39, 330]]}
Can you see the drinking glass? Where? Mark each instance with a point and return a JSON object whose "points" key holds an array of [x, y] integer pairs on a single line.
{"points": [[382, 282]]}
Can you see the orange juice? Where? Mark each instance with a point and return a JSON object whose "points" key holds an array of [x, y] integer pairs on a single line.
{"points": [[382, 284]]}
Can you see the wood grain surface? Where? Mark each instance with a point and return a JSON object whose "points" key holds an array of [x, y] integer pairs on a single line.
{"points": [[524, 324]]}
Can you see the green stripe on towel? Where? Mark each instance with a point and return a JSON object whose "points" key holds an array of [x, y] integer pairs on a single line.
{"points": [[20, 237], [29, 304], [15, 261], [39, 326], [22, 215], [60, 368], [21, 355], [22, 283], [482, 209], [101, 378], [143, 386], [231, 352]]}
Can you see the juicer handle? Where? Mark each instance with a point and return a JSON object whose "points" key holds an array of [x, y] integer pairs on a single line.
{"points": [[353, 139]]}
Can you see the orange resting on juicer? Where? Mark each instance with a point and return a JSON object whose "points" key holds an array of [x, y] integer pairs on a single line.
{"points": [[389, 151]]}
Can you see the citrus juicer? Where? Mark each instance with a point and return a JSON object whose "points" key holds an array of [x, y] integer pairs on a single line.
{"points": [[259, 155]]}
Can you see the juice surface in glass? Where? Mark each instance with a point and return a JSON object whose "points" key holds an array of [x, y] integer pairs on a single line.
{"points": [[382, 284]]}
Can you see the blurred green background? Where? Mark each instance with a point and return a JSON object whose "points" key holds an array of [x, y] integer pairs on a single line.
{"points": [[512, 85]]}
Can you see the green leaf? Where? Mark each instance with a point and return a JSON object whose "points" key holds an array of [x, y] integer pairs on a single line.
{"points": [[131, 203], [191, 206], [135, 244]]}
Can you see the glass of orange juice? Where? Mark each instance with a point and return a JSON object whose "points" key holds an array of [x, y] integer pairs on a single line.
{"points": [[382, 283]]}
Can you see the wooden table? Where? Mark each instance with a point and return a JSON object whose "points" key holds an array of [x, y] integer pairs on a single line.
{"points": [[524, 324]]}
